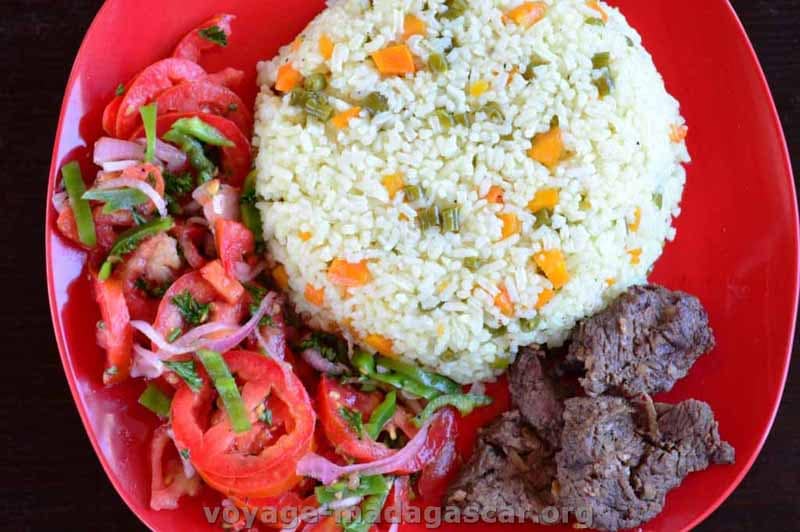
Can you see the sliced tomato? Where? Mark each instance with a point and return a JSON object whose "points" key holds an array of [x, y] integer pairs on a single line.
{"points": [[439, 472], [194, 44], [118, 334], [254, 464], [332, 397], [67, 226], [236, 160], [155, 262], [145, 172], [398, 499], [168, 481], [226, 285], [169, 317], [234, 242], [204, 96], [441, 431], [227, 77], [148, 85], [110, 115], [190, 236]]}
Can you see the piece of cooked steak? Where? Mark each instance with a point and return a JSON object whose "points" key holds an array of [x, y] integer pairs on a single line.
{"points": [[645, 341], [511, 469], [609, 464], [689, 441], [600, 447], [538, 394]]}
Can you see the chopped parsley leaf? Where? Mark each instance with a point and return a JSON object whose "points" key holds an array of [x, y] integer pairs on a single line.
{"points": [[186, 370], [192, 311], [176, 186], [153, 291], [216, 35], [120, 90], [186, 454], [328, 345]]}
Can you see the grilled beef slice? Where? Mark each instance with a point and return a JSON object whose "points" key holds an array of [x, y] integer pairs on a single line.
{"points": [[608, 464], [645, 341], [538, 393], [511, 468]]}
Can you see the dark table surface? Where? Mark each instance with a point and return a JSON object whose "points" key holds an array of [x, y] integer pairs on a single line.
{"points": [[50, 477]]}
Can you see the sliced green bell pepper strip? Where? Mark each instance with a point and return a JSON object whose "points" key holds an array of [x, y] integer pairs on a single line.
{"points": [[227, 389], [130, 240], [465, 403], [437, 382], [382, 415], [73, 183], [194, 151], [206, 133], [155, 400], [369, 485], [149, 115]]}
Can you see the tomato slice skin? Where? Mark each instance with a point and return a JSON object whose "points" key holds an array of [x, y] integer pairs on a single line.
{"points": [[204, 96], [118, 332], [227, 77], [110, 115], [331, 397], [150, 83], [164, 496], [270, 471], [437, 474], [234, 241], [443, 429], [236, 159], [194, 45]]}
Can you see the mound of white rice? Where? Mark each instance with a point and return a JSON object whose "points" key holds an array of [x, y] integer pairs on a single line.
{"points": [[620, 180]]}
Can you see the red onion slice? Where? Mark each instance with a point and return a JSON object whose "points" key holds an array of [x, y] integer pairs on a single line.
{"points": [[118, 166], [174, 159], [165, 349], [191, 337], [320, 468], [60, 201], [108, 149], [149, 191], [246, 273], [322, 364], [224, 345], [146, 363]]}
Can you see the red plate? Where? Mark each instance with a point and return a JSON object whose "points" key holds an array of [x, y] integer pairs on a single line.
{"points": [[737, 245]]}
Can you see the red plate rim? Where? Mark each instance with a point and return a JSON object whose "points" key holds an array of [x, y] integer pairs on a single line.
{"points": [[71, 379]]}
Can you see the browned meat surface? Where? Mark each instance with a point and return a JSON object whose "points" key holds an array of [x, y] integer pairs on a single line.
{"points": [[644, 342], [608, 464], [689, 442], [538, 394], [512, 468]]}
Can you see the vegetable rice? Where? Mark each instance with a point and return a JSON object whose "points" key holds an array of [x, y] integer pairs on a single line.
{"points": [[449, 181]]}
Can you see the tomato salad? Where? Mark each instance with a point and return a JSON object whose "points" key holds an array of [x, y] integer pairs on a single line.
{"points": [[254, 405]]}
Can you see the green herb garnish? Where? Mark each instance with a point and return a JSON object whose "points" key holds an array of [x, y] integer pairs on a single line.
{"points": [[216, 35], [186, 370], [193, 312]]}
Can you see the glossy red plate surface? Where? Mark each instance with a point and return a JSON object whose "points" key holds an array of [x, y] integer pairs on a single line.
{"points": [[737, 245]]}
